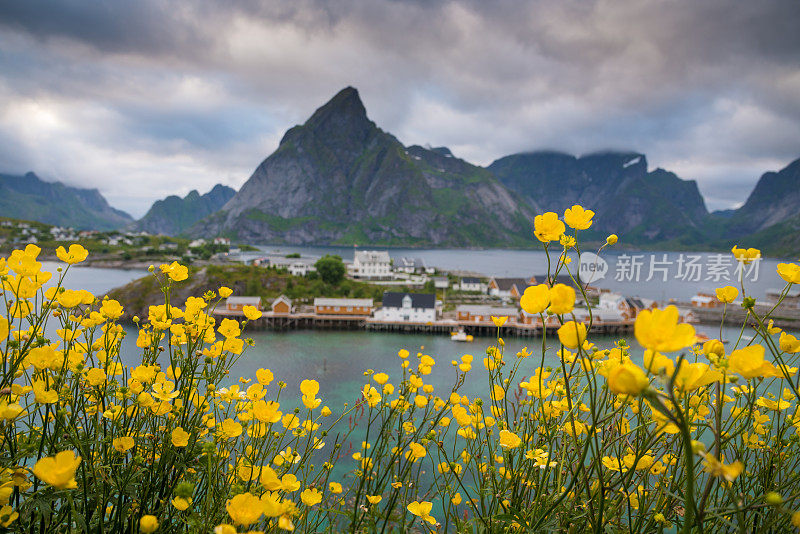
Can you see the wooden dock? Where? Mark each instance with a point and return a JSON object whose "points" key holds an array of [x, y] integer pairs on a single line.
{"points": [[312, 321]]}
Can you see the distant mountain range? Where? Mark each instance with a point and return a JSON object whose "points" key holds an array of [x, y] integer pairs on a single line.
{"points": [[174, 215], [27, 197], [340, 179]]}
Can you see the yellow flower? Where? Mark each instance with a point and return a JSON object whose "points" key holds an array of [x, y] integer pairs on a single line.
{"points": [[745, 255], [374, 499], [76, 254], [578, 218], [181, 503], [42, 394], [371, 395], [225, 292], [789, 272], [148, 524], [659, 330], [311, 496], [713, 346], [7, 515], [499, 321], [509, 440], [789, 343], [229, 328], [335, 487], [3, 328], [572, 334], [224, 528], [230, 429], [562, 299], [612, 239], [175, 271], [111, 309], [547, 227], [96, 376], [244, 509], [627, 379], [747, 361], [252, 313], [719, 469], [59, 470], [535, 299], [422, 510], [123, 444], [264, 376], [180, 438], [727, 294], [696, 375]]}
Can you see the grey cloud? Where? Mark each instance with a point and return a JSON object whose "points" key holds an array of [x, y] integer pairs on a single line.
{"points": [[708, 89]]}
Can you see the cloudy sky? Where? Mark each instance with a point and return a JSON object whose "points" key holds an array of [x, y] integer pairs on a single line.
{"points": [[147, 98]]}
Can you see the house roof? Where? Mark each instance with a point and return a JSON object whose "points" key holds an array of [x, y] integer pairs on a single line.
{"points": [[417, 263], [470, 280], [246, 301], [283, 298], [635, 303], [343, 302], [505, 284], [393, 299]]}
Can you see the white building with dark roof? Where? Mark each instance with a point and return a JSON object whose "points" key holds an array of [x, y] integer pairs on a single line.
{"points": [[470, 283], [372, 264], [407, 307]]}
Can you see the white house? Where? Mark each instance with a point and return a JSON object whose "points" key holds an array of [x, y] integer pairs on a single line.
{"points": [[372, 264], [473, 284], [222, 241], [441, 282], [301, 268], [407, 307]]}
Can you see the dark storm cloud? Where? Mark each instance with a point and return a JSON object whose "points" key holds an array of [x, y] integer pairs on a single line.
{"points": [[202, 91]]}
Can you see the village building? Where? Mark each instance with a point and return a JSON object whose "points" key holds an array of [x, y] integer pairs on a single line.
{"points": [[343, 306], [236, 304], [412, 266], [534, 319], [407, 307], [282, 305], [705, 300], [221, 241], [472, 284], [441, 282], [476, 313], [509, 287], [372, 264]]}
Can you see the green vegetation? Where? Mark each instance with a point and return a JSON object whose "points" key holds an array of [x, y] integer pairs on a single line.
{"points": [[331, 269]]}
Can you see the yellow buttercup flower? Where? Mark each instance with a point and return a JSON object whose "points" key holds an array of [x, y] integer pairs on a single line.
{"points": [[181, 503], [659, 330], [747, 361], [789, 343], [76, 254], [562, 299], [499, 321], [252, 313], [123, 444], [789, 272], [547, 227], [578, 218], [535, 299], [59, 470], [175, 271], [727, 294], [148, 524], [422, 510], [225, 292], [509, 440], [627, 379], [572, 334], [335, 487], [612, 239], [374, 499], [745, 255], [311, 496], [180, 438], [244, 509]]}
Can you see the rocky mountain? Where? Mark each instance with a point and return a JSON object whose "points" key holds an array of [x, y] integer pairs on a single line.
{"points": [[627, 198], [30, 198], [172, 215], [770, 218], [339, 178]]}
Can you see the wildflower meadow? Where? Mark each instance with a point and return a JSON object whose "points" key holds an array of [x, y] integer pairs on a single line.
{"points": [[664, 435]]}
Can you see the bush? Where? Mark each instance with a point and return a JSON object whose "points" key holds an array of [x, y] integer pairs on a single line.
{"points": [[686, 436]]}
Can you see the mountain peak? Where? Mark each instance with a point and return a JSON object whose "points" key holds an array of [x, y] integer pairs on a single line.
{"points": [[346, 102]]}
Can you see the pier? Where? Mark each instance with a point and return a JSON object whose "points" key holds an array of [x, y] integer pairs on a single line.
{"points": [[512, 328]]}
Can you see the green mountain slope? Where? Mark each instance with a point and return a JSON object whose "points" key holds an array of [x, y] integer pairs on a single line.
{"points": [[173, 215], [29, 198]]}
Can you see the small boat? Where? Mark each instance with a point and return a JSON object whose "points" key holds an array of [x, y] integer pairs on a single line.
{"points": [[460, 335]]}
